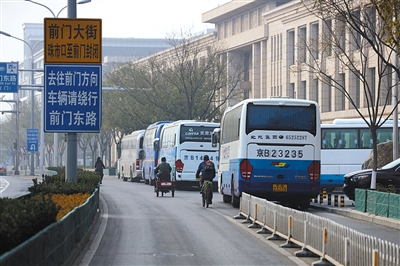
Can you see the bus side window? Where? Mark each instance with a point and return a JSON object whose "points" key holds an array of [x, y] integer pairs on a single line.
{"points": [[341, 144], [326, 144], [355, 144]]}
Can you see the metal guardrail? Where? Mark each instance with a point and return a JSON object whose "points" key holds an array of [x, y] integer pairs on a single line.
{"points": [[318, 236]]}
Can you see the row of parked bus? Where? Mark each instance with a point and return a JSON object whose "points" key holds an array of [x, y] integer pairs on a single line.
{"points": [[183, 143], [274, 148], [265, 147]]}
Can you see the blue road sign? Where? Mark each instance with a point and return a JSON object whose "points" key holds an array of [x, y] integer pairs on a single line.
{"points": [[8, 77], [72, 98], [32, 140]]}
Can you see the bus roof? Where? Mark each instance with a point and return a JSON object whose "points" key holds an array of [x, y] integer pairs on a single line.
{"points": [[138, 131], [158, 123], [193, 123], [346, 121], [273, 101]]}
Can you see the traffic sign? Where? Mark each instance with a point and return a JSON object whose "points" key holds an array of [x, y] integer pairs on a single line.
{"points": [[72, 98], [32, 142], [8, 77], [72, 41]]}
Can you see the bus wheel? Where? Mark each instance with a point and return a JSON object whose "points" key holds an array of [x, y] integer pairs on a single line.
{"points": [[131, 177], [234, 200], [226, 198]]}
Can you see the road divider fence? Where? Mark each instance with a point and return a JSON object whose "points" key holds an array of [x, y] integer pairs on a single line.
{"points": [[316, 236]]}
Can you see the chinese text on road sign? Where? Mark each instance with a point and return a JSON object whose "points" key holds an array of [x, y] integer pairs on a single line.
{"points": [[72, 41], [72, 98], [32, 139], [9, 77]]}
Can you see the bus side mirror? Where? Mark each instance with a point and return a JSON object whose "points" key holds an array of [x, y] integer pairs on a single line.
{"points": [[156, 144], [141, 154], [215, 137]]}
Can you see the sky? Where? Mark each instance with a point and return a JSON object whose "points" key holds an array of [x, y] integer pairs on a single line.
{"points": [[120, 18]]}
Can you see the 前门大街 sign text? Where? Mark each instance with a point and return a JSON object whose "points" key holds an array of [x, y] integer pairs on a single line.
{"points": [[72, 41]]}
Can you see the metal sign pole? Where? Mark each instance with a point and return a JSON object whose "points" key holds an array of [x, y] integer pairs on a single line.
{"points": [[72, 143]]}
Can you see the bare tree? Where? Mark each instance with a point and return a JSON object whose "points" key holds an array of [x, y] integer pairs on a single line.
{"points": [[188, 81], [353, 40], [104, 140], [83, 142]]}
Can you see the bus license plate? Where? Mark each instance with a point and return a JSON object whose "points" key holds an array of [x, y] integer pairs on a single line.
{"points": [[279, 187], [197, 178]]}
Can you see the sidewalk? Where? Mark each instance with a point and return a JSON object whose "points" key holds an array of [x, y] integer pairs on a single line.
{"points": [[349, 211]]}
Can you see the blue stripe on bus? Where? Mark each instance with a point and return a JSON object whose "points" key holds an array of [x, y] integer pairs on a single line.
{"points": [[268, 170]]}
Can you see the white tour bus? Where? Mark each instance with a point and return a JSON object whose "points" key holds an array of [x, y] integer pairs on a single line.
{"points": [[270, 148], [184, 143], [150, 160], [346, 144], [130, 165]]}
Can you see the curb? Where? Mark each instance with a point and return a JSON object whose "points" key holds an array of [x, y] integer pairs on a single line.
{"points": [[369, 217]]}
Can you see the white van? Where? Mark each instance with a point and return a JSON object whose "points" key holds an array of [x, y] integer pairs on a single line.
{"points": [[130, 165]]}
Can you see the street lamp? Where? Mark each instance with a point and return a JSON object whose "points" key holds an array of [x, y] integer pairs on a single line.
{"points": [[54, 15]]}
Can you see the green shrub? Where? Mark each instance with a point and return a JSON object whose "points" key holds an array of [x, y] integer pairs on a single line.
{"points": [[20, 219], [58, 169], [387, 189], [87, 182]]}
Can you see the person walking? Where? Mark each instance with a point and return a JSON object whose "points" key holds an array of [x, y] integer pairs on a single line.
{"points": [[98, 168]]}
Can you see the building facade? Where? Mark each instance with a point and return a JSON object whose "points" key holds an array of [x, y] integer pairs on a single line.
{"points": [[266, 36]]}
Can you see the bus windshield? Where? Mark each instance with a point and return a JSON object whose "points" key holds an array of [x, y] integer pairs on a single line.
{"points": [[288, 118], [196, 133]]}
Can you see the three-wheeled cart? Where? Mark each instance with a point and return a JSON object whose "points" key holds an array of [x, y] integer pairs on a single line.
{"points": [[164, 184]]}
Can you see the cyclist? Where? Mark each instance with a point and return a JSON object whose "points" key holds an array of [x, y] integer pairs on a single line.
{"points": [[206, 171]]}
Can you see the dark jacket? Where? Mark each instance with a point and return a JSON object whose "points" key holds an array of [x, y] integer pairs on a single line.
{"points": [[205, 175], [163, 167], [99, 166]]}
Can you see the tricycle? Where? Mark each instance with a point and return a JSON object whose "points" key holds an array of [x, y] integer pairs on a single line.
{"points": [[164, 184]]}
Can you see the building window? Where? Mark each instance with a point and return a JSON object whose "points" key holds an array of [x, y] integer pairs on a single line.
{"points": [[302, 44], [327, 38], [372, 85], [314, 40], [246, 74], [290, 47], [291, 93], [357, 92]]}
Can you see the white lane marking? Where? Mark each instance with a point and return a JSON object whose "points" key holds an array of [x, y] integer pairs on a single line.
{"points": [[3, 188], [99, 235]]}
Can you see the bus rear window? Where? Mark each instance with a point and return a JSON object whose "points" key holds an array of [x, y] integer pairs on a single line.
{"points": [[198, 134], [286, 118]]}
